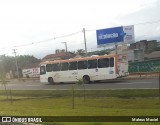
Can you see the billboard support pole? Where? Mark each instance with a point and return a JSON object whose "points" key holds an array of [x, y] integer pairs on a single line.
{"points": [[116, 48]]}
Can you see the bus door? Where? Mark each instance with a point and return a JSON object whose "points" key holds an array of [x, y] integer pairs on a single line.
{"points": [[111, 66], [43, 73]]}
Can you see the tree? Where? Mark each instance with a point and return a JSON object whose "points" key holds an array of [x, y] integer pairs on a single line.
{"points": [[82, 82], [103, 52], [7, 63], [81, 52], [78, 82], [26, 60], [4, 82]]}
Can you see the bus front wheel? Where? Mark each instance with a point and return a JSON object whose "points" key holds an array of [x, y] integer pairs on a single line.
{"points": [[86, 79], [50, 80]]}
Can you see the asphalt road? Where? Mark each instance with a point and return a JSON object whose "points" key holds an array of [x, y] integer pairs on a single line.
{"points": [[111, 84]]}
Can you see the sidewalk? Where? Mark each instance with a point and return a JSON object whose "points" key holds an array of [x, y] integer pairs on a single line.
{"points": [[151, 76]]}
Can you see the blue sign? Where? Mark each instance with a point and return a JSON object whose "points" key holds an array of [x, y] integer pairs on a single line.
{"points": [[110, 35]]}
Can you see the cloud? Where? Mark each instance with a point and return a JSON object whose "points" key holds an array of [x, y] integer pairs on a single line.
{"points": [[28, 21], [145, 20]]}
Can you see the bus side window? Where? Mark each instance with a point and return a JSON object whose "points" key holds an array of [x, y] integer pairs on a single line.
{"points": [[49, 68], [103, 63], [92, 64], [42, 70], [64, 66], [111, 62], [73, 66], [56, 67], [82, 65]]}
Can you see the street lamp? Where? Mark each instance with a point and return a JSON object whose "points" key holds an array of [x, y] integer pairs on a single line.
{"points": [[65, 45]]}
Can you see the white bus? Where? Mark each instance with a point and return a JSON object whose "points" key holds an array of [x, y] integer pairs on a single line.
{"points": [[94, 68]]}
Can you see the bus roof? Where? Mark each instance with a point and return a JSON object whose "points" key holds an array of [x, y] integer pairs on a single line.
{"points": [[79, 59]]}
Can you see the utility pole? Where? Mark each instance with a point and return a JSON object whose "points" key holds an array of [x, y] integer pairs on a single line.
{"points": [[14, 51], [65, 45], [85, 40]]}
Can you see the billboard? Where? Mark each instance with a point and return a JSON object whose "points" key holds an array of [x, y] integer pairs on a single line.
{"points": [[31, 72], [123, 34]]}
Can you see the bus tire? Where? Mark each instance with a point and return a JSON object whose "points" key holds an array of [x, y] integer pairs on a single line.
{"points": [[86, 79], [50, 80]]}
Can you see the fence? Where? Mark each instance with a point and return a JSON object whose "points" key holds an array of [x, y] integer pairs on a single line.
{"points": [[145, 66]]}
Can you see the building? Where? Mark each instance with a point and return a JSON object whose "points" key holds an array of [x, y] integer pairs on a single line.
{"points": [[158, 44], [153, 55], [145, 45], [135, 55], [59, 55], [132, 55]]}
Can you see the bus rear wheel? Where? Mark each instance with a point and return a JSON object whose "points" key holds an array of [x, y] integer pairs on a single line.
{"points": [[86, 79], [50, 80]]}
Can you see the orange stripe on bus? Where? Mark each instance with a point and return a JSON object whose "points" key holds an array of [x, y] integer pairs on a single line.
{"points": [[78, 59]]}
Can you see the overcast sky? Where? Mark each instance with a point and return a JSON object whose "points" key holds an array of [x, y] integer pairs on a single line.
{"points": [[23, 22]]}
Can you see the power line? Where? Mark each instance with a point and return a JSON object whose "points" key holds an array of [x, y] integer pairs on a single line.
{"points": [[142, 23], [53, 38], [71, 34], [68, 35]]}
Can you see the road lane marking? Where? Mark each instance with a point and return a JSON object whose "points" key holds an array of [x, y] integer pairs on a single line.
{"points": [[33, 85], [124, 83], [140, 82]]}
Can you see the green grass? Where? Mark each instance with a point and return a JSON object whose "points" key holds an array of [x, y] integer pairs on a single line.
{"points": [[92, 107], [98, 103], [90, 93]]}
